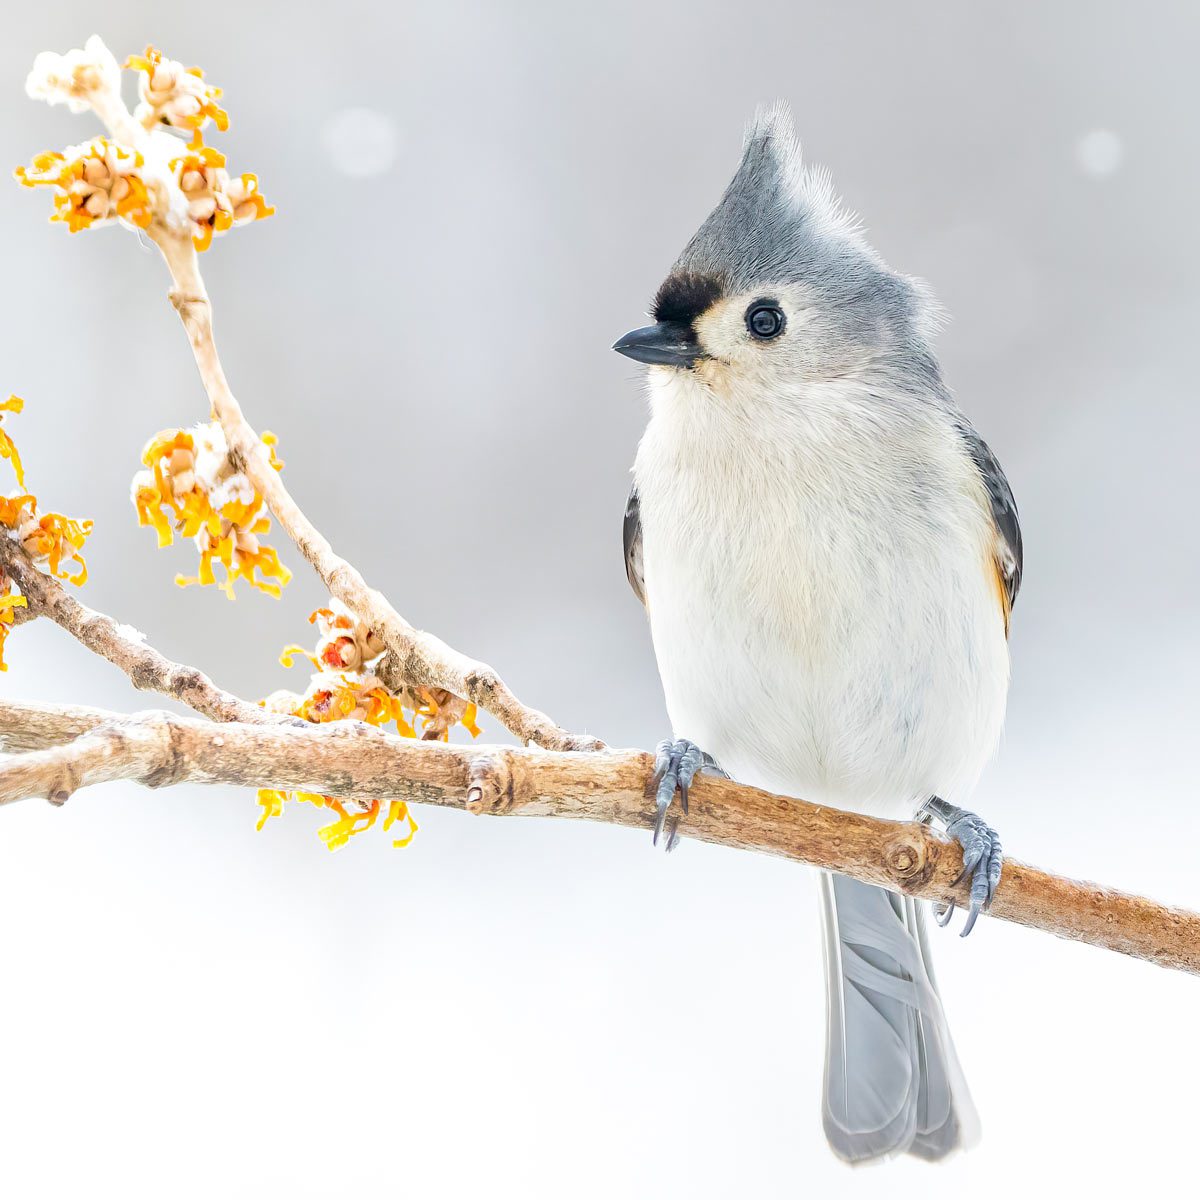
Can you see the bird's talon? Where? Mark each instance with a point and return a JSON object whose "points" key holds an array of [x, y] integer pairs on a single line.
{"points": [[676, 764], [983, 859]]}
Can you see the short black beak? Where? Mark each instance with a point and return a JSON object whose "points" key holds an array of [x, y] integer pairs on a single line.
{"points": [[667, 344]]}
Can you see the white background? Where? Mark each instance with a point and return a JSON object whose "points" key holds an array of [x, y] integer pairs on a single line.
{"points": [[515, 1008]]}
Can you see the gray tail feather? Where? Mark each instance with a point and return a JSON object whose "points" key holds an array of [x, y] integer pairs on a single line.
{"points": [[892, 1080]]}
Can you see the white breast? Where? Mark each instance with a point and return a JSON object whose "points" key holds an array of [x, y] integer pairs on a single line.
{"points": [[820, 595]]}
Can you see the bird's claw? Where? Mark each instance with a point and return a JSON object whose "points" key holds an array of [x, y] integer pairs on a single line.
{"points": [[983, 857], [675, 766]]}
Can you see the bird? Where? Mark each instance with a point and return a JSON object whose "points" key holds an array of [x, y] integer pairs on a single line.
{"points": [[828, 554]]}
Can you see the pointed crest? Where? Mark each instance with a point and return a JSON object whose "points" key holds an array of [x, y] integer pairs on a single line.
{"points": [[777, 219]]}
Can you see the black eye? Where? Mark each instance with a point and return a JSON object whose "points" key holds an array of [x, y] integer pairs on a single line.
{"points": [[765, 321]]}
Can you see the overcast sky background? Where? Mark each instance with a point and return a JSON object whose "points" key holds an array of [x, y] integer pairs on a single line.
{"points": [[515, 1008]]}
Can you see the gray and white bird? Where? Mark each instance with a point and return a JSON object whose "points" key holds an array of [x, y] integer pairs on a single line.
{"points": [[828, 553]]}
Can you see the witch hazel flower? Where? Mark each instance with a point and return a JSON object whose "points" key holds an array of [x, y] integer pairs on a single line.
{"points": [[50, 539], [96, 182], [136, 174], [215, 201], [175, 95], [192, 487], [74, 78], [344, 687]]}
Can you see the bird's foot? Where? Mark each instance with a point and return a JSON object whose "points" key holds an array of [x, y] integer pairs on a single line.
{"points": [[983, 857], [676, 764]]}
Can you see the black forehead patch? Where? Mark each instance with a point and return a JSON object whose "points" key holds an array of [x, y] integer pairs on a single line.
{"points": [[684, 295]]}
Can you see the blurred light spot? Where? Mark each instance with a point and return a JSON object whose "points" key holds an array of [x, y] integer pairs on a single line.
{"points": [[1099, 152], [360, 142]]}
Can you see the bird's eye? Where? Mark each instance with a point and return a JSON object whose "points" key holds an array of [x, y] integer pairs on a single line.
{"points": [[765, 321]]}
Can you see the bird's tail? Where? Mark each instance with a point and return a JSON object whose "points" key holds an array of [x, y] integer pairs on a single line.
{"points": [[892, 1080]]}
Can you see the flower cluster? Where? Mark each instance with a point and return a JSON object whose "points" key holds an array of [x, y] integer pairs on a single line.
{"points": [[215, 202], [144, 182], [98, 181], [345, 688], [192, 483], [48, 538], [172, 94]]}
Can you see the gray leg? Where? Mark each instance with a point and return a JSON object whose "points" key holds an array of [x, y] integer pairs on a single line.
{"points": [[675, 766], [983, 856]]}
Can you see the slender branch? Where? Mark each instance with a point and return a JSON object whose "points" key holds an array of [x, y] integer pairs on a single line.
{"points": [[422, 659], [146, 667], [418, 657], [613, 786]]}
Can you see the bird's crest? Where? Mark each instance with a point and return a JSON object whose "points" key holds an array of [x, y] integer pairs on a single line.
{"points": [[777, 218]]}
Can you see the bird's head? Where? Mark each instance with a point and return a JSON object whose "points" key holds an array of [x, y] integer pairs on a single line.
{"points": [[778, 288]]}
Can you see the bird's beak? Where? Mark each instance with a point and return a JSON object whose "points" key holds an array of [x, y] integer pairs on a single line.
{"points": [[667, 344]]}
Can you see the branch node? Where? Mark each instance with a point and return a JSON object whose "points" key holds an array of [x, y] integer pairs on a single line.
{"points": [[194, 311], [173, 765], [910, 857], [488, 785], [59, 796], [496, 783]]}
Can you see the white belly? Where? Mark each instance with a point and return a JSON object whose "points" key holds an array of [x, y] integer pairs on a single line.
{"points": [[824, 629]]}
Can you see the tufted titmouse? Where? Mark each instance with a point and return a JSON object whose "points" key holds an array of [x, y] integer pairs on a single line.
{"points": [[828, 554]]}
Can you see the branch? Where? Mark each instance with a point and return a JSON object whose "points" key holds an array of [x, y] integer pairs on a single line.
{"points": [[26, 725], [122, 646], [614, 786], [419, 658]]}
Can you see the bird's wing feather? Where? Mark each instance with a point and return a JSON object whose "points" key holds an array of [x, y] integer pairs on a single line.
{"points": [[1010, 553], [632, 537]]}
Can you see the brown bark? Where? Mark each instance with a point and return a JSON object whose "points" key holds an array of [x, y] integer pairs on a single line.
{"points": [[613, 786]]}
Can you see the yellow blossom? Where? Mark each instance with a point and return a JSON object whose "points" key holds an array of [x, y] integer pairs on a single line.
{"points": [[95, 182], [56, 539], [343, 688], [8, 602], [8, 449], [175, 95], [215, 201], [48, 538], [193, 486], [336, 834]]}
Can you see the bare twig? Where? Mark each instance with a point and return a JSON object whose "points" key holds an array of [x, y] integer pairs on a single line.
{"points": [[145, 666], [614, 786]]}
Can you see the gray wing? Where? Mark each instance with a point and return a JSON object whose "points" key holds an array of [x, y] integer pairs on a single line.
{"points": [[632, 536], [1004, 512]]}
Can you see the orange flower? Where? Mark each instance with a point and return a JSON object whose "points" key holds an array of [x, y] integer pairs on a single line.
{"points": [[193, 485], [8, 602], [93, 183], [215, 201], [8, 448], [50, 538], [175, 95], [56, 539], [343, 689]]}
